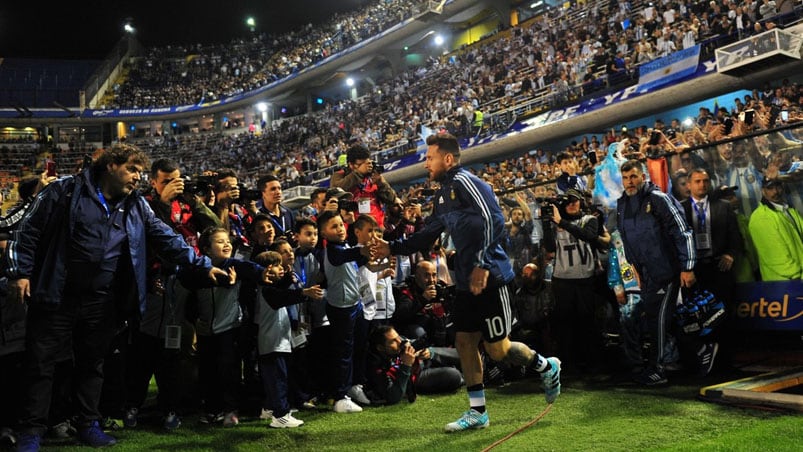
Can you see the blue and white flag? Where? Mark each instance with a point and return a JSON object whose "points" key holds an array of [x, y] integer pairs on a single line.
{"points": [[668, 69]]}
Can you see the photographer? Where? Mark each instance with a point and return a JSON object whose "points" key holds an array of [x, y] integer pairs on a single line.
{"points": [[398, 367], [657, 143], [369, 188], [422, 307], [403, 220], [234, 217], [178, 202], [185, 212], [342, 202], [12, 314], [519, 228], [533, 303], [571, 235]]}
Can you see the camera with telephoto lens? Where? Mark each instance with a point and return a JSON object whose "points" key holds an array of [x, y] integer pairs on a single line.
{"points": [[445, 294], [199, 185], [347, 204], [417, 344]]}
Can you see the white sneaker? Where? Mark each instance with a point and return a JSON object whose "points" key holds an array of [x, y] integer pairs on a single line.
{"points": [[345, 405], [357, 394], [286, 421], [267, 414], [230, 419]]}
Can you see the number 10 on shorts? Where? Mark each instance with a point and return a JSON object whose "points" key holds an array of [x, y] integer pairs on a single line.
{"points": [[496, 327]]}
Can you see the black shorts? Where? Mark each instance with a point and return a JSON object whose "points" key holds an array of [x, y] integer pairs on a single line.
{"points": [[489, 312]]}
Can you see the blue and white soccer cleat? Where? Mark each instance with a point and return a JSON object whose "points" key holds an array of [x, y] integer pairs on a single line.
{"points": [[551, 380], [471, 419]]}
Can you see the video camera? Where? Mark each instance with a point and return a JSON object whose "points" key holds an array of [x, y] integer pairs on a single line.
{"points": [[247, 195], [546, 204]]}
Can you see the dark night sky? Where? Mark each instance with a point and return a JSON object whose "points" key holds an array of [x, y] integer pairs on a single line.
{"points": [[90, 29]]}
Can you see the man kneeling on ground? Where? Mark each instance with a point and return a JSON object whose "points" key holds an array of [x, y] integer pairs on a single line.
{"points": [[396, 368]]}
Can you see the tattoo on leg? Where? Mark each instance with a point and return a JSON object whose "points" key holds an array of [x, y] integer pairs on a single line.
{"points": [[519, 354]]}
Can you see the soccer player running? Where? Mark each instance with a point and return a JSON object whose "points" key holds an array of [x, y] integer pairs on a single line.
{"points": [[467, 208]]}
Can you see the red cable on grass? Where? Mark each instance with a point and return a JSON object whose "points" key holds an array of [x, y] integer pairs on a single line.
{"points": [[520, 429]]}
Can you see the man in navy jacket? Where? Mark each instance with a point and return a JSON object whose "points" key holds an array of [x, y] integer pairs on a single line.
{"points": [[79, 260], [659, 244]]}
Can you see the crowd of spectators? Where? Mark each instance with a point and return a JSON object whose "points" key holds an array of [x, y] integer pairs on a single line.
{"points": [[179, 75], [296, 147], [421, 291], [555, 57], [753, 153], [762, 110], [304, 150], [16, 156]]}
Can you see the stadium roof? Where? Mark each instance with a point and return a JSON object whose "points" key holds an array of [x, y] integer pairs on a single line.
{"points": [[89, 31]]}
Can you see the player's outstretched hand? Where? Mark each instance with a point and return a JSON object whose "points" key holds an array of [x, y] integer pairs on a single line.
{"points": [[380, 248], [478, 280]]}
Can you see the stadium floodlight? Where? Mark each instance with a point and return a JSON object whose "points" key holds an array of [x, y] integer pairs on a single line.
{"points": [[439, 40], [350, 82], [251, 22], [262, 107], [128, 25]]}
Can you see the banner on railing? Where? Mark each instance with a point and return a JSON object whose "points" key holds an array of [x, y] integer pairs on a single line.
{"points": [[668, 69], [768, 306]]}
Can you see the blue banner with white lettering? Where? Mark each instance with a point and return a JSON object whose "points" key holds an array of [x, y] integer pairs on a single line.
{"points": [[768, 306]]}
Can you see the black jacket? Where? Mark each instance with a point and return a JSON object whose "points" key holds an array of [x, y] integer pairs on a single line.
{"points": [[725, 236]]}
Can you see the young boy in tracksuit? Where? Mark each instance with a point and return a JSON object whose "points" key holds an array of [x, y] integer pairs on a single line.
{"points": [[308, 268], [274, 341], [343, 306], [218, 316]]}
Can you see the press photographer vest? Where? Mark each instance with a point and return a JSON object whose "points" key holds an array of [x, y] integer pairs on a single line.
{"points": [[574, 258]]}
